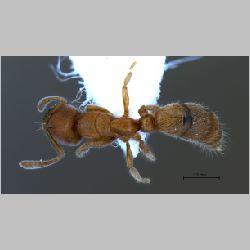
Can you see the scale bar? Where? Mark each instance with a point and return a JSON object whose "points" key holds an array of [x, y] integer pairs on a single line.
{"points": [[201, 177]]}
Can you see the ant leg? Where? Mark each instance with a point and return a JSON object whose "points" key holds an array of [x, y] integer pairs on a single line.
{"points": [[145, 108], [43, 103], [84, 148], [132, 170], [145, 150], [42, 164], [92, 107], [125, 90]]}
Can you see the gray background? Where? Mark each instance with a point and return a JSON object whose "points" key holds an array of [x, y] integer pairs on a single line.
{"points": [[121, 221], [218, 82]]}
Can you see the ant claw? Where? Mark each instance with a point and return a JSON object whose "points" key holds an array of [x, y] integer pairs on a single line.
{"points": [[135, 174], [81, 153]]}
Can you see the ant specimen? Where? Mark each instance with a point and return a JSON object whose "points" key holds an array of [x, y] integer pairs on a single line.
{"points": [[66, 125]]}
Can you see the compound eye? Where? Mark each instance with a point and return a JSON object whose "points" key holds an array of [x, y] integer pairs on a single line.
{"points": [[186, 120]]}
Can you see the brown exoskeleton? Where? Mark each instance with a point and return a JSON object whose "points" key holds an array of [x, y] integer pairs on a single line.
{"points": [[66, 125]]}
